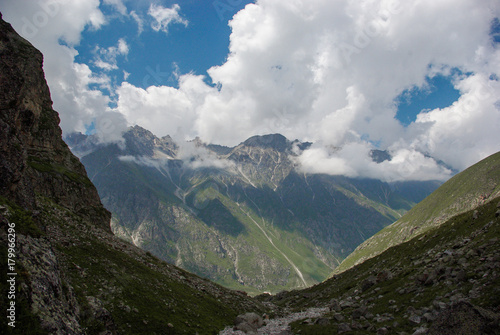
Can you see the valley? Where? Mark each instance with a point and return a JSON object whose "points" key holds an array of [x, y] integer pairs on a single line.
{"points": [[150, 236], [245, 217]]}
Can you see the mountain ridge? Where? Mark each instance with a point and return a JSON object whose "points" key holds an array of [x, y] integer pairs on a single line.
{"points": [[160, 193], [482, 183]]}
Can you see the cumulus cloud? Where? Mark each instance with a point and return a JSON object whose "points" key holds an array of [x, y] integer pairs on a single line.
{"points": [[164, 110], [330, 72], [324, 71], [354, 160], [163, 17], [466, 131], [110, 127], [46, 24]]}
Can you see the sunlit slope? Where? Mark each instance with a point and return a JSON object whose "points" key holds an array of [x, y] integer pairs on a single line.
{"points": [[471, 188]]}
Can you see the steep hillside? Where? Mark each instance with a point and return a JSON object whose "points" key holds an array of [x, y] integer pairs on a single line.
{"points": [[475, 186], [444, 281], [242, 216], [63, 271]]}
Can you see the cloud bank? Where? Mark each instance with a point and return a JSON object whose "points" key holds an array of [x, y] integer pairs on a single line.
{"points": [[328, 72]]}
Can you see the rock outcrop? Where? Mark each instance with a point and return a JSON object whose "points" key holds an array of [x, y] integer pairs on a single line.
{"points": [[34, 160]]}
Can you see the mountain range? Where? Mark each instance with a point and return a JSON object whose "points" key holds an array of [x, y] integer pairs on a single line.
{"points": [[244, 216]]}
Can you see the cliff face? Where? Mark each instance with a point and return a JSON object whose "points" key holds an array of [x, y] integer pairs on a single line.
{"points": [[34, 160]]}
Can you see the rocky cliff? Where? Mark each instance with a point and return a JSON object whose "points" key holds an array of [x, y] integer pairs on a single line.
{"points": [[63, 271], [34, 160]]}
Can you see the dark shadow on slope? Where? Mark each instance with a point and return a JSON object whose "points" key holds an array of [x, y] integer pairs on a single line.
{"points": [[216, 215]]}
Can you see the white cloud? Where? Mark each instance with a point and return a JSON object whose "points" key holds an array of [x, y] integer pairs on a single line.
{"points": [[118, 5], [141, 160], [110, 127], [467, 131], [163, 17], [316, 70], [106, 58], [139, 21], [354, 160], [192, 156], [330, 72], [162, 109], [196, 157], [47, 23]]}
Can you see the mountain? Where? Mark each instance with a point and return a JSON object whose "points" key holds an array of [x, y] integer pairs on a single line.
{"points": [[64, 272], [242, 216], [62, 269], [474, 186]]}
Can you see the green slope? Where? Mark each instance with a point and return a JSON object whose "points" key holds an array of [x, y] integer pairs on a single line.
{"points": [[454, 263], [474, 186]]}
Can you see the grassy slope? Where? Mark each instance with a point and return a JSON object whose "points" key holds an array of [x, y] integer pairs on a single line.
{"points": [[295, 247], [476, 239], [142, 293], [465, 191]]}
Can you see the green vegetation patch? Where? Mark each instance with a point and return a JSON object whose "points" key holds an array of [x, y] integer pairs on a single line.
{"points": [[56, 169], [22, 218]]}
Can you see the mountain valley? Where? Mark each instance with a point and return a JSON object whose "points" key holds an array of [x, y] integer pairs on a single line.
{"points": [[242, 216]]}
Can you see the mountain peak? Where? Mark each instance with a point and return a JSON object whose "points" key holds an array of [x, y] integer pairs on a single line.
{"points": [[274, 141]]}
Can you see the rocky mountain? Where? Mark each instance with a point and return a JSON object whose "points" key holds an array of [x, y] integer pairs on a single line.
{"points": [[475, 186], [62, 269], [244, 216]]}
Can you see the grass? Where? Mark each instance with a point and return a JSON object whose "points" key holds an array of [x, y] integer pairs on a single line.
{"points": [[56, 169], [22, 218]]}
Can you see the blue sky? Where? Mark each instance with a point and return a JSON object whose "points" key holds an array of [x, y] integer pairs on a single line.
{"points": [[419, 79], [438, 92], [153, 56]]}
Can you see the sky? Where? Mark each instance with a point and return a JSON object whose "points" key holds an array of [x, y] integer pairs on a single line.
{"points": [[417, 78]]}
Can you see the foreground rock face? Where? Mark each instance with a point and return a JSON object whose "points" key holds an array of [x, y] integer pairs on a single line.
{"points": [[34, 160]]}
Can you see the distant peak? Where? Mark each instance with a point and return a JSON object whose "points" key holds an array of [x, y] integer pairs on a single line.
{"points": [[274, 141]]}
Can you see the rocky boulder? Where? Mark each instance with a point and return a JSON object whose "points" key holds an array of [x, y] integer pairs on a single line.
{"points": [[248, 323]]}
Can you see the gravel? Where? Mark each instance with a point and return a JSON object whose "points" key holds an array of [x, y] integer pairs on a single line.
{"points": [[277, 325]]}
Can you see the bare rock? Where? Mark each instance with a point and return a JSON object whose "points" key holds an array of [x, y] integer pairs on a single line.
{"points": [[343, 328], [322, 322], [415, 319], [465, 318], [248, 323], [368, 282]]}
